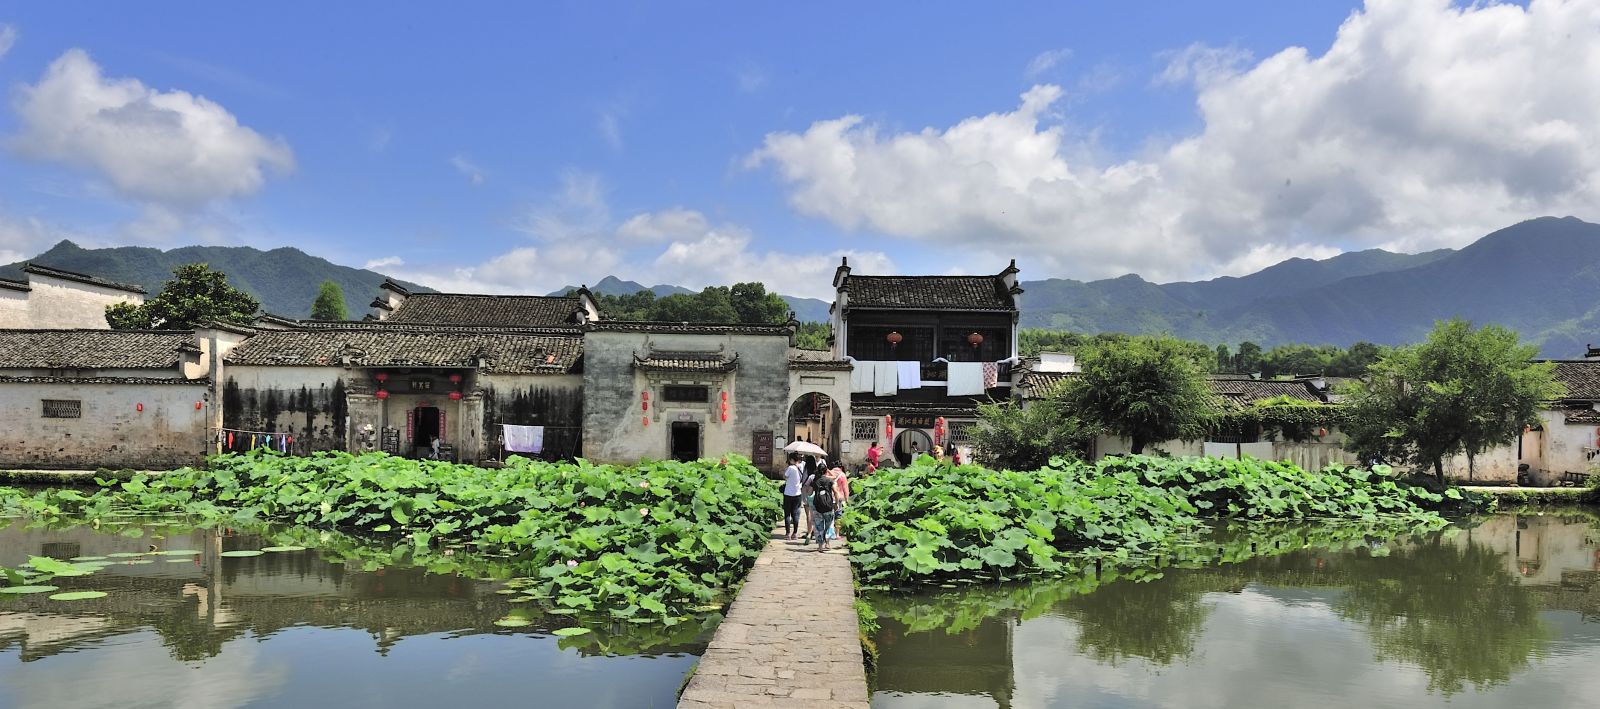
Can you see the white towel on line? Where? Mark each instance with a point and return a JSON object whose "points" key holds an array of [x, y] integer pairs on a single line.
{"points": [[965, 379], [524, 439], [861, 376], [885, 379], [909, 374]]}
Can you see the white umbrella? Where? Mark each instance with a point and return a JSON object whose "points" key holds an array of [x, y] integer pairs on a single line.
{"points": [[805, 448]]}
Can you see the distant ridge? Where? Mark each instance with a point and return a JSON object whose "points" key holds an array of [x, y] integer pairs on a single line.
{"points": [[285, 280]]}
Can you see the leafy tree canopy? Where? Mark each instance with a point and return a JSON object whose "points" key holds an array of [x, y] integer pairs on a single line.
{"points": [[1146, 389], [739, 303], [1461, 391], [195, 295], [329, 304], [1011, 437]]}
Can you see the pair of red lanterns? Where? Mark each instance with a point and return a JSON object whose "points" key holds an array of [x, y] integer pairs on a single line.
{"points": [[383, 394], [140, 407]]}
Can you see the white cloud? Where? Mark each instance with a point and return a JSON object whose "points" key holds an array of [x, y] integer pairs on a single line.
{"points": [[26, 237], [1423, 125], [674, 223], [8, 39], [578, 210], [170, 147], [1047, 60], [385, 262], [468, 169], [751, 78], [610, 128]]}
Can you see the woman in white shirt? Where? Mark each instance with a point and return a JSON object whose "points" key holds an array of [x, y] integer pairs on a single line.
{"points": [[792, 476]]}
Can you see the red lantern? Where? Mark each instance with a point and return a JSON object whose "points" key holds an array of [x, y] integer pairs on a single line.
{"points": [[196, 406], [455, 379], [455, 396], [381, 377], [724, 396], [894, 338], [382, 394], [888, 427], [974, 339], [644, 395], [644, 406], [138, 407], [647, 421]]}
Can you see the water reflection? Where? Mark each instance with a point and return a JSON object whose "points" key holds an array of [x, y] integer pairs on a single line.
{"points": [[301, 629], [1500, 609]]}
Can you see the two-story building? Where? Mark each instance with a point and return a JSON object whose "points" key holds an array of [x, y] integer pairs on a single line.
{"points": [[926, 350]]}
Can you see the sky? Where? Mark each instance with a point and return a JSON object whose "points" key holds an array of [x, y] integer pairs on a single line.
{"points": [[522, 147]]}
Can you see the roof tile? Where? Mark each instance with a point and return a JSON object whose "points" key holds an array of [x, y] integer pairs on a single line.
{"points": [[369, 347], [470, 309], [92, 349], [929, 293]]}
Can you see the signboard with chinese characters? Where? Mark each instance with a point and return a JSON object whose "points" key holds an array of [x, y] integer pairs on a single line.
{"points": [[913, 420], [761, 449]]}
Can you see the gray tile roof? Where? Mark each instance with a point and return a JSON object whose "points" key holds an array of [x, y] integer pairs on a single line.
{"points": [[92, 349], [501, 310], [1582, 379], [1253, 390], [14, 285], [503, 353], [1583, 417], [1040, 385], [817, 360], [63, 274], [928, 293], [105, 380], [686, 362]]}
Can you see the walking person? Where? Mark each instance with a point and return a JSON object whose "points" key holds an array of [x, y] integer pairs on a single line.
{"points": [[792, 477], [824, 507], [807, 473]]}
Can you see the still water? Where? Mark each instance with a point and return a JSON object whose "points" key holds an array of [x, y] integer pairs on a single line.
{"points": [[303, 629], [1502, 611]]}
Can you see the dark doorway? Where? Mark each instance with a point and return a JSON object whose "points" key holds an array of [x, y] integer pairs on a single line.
{"points": [[685, 441], [909, 444], [424, 428]]}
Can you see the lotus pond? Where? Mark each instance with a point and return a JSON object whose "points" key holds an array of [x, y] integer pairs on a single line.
{"points": [[1492, 611], [282, 616]]}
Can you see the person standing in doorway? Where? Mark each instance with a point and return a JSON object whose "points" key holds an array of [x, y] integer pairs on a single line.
{"points": [[791, 497]]}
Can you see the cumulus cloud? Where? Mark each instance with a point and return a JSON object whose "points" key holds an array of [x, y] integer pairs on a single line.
{"points": [[1423, 125], [168, 147], [8, 39], [1047, 60], [385, 262], [674, 223], [468, 169]]}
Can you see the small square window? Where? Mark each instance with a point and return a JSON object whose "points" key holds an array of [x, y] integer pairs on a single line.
{"points": [[62, 408], [686, 394]]}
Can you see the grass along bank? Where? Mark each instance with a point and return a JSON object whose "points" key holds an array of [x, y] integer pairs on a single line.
{"points": [[934, 524], [656, 541]]}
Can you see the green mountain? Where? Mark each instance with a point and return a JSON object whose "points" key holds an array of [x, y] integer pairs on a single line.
{"points": [[1539, 277], [284, 280]]}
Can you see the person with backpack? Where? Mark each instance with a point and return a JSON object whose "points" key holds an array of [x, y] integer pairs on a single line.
{"points": [[807, 472], [825, 506]]}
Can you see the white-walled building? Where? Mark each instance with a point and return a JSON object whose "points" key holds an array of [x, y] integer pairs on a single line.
{"points": [[54, 298]]}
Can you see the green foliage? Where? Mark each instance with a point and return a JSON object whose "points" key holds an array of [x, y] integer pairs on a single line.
{"points": [[813, 336], [931, 523], [195, 295], [329, 304], [1288, 360], [1283, 417], [1462, 391], [739, 303], [650, 541], [1011, 437], [1144, 389]]}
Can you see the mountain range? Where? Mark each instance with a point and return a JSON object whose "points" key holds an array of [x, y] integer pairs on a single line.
{"points": [[284, 280], [1540, 277]]}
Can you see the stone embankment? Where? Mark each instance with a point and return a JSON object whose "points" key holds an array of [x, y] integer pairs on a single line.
{"points": [[791, 637]]}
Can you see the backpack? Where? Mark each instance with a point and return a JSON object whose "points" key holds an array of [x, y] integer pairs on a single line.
{"points": [[822, 495]]}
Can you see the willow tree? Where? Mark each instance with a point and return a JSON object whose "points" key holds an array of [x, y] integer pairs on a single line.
{"points": [[1145, 389], [1463, 391]]}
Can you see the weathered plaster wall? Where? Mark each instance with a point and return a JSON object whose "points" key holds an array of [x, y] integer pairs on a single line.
{"points": [[110, 433], [614, 423], [57, 303], [1567, 447], [1310, 455], [304, 402], [14, 309], [554, 402]]}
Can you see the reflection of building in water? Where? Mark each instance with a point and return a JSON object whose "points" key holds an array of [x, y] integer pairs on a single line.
{"points": [[199, 604], [1537, 549], [975, 662]]}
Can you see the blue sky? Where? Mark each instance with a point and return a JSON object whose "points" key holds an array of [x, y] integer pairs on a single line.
{"points": [[524, 146]]}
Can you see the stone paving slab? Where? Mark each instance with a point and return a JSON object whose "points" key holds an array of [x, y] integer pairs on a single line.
{"points": [[790, 639]]}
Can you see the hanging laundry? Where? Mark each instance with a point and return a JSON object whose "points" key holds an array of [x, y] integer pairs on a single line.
{"points": [[885, 379], [524, 439], [230, 440], [861, 376], [909, 374], [964, 379], [991, 375]]}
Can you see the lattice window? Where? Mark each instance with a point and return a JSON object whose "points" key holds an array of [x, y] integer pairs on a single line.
{"points": [[62, 408], [864, 429], [960, 433]]}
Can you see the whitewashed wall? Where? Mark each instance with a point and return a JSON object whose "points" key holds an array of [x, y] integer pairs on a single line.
{"points": [[111, 432], [14, 309], [58, 303]]}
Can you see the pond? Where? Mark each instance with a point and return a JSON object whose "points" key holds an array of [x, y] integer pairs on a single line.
{"points": [[1496, 611], [345, 623]]}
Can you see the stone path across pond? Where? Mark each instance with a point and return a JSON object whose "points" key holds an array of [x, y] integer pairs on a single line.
{"points": [[791, 638]]}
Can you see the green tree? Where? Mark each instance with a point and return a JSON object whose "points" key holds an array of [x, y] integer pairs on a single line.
{"points": [[1249, 358], [755, 305], [1461, 391], [329, 304], [1147, 389], [812, 336], [195, 295], [1012, 437], [1224, 360]]}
